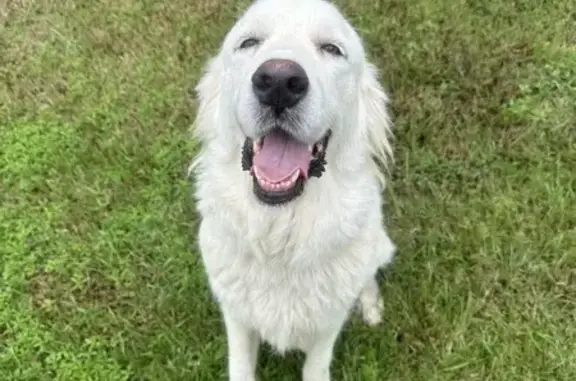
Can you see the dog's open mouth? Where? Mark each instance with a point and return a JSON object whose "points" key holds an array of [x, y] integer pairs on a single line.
{"points": [[281, 165]]}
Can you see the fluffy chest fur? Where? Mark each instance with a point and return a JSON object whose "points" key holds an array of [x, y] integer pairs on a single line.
{"points": [[291, 272]]}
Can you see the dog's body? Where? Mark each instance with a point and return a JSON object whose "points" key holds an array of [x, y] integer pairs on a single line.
{"points": [[287, 261]]}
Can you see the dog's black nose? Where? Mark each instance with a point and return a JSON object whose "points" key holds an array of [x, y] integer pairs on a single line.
{"points": [[280, 84]]}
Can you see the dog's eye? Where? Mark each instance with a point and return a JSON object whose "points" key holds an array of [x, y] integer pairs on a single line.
{"points": [[249, 42], [332, 49]]}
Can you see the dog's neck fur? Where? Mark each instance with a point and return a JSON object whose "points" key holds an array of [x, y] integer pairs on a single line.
{"points": [[272, 229]]}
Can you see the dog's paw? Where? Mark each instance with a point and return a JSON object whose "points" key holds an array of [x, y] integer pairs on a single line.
{"points": [[372, 312], [371, 304]]}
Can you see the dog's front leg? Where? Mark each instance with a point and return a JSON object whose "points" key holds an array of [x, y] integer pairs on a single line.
{"points": [[319, 358], [243, 344]]}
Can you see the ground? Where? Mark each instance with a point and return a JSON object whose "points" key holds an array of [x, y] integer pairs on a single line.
{"points": [[99, 277]]}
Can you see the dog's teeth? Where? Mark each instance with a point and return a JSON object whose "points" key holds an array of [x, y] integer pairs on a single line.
{"points": [[319, 147], [311, 148], [257, 145], [271, 186], [295, 176]]}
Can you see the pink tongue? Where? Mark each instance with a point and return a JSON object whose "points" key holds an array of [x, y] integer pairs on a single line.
{"points": [[280, 155]]}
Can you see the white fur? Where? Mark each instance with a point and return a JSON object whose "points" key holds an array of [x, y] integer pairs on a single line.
{"points": [[291, 274]]}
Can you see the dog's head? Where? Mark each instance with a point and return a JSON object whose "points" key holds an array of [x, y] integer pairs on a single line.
{"points": [[292, 86]]}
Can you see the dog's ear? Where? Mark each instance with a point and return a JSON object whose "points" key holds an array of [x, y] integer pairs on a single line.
{"points": [[375, 120], [208, 92]]}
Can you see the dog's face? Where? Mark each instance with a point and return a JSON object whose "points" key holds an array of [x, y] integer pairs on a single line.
{"points": [[291, 77], [291, 64]]}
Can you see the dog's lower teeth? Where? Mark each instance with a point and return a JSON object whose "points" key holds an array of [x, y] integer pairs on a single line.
{"points": [[274, 187], [295, 176]]}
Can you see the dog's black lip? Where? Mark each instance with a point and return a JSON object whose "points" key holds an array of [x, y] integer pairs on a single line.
{"points": [[318, 162], [247, 154], [278, 197]]}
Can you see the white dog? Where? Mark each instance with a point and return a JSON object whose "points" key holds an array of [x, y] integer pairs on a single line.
{"points": [[293, 129]]}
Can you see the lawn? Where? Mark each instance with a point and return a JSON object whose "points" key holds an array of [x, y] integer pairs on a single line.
{"points": [[99, 277]]}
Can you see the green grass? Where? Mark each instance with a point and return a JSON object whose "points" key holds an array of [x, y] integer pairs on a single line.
{"points": [[99, 279]]}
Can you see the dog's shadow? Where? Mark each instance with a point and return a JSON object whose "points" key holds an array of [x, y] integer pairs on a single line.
{"points": [[272, 366]]}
